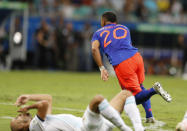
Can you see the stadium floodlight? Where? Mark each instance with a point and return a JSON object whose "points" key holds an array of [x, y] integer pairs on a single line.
{"points": [[17, 38], [17, 13]]}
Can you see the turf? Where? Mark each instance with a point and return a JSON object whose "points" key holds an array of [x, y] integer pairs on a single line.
{"points": [[75, 90]]}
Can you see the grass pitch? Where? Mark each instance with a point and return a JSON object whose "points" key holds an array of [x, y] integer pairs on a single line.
{"points": [[75, 90]]}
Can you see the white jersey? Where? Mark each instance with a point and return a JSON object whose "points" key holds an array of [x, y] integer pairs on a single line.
{"points": [[66, 122], [61, 122]]}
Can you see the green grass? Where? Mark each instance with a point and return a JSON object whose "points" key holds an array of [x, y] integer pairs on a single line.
{"points": [[75, 90]]}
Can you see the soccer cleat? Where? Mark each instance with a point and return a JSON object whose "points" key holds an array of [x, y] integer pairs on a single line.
{"points": [[158, 88], [150, 120]]}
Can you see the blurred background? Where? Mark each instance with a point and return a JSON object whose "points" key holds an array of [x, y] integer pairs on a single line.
{"points": [[55, 34]]}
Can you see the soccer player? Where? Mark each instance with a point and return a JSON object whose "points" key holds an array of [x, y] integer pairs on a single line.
{"points": [[100, 115], [114, 40], [182, 126]]}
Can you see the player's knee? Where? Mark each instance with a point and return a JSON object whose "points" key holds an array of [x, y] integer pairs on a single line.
{"points": [[98, 99], [95, 103], [126, 93]]}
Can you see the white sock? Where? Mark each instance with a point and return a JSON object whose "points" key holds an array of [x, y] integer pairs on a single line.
{"points": [[133, 112], [112, 115]]}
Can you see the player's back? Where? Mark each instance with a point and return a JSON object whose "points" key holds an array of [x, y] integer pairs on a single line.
{"points": [[115, 41]]}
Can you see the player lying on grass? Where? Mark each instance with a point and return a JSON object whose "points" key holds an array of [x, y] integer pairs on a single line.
{"points": [[115, 41], [182, 126], [100, 115]]}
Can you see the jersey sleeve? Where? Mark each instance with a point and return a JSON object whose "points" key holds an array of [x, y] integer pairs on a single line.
{"points": [[36, 124], [95, 37]]}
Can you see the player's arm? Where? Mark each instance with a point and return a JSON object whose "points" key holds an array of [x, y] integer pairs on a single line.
{"points": [[96, 53], [44, 102], [97, 57], [42, 108]]}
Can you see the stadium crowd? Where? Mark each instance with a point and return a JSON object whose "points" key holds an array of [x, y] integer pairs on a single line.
{"points": [[58, 46], [164, 11]]}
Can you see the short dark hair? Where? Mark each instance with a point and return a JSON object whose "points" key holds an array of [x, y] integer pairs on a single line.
{"points": [[110, 16]]}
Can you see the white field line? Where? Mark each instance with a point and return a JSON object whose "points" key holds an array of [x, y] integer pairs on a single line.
{"points": [[6, 117], [68, 109], [7, 104], [55, 108], [152, 127]]}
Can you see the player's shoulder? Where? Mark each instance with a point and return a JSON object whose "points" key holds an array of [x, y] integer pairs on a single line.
{"points": [[36, 124], [99, 30], [120, 25], [104, 28]]}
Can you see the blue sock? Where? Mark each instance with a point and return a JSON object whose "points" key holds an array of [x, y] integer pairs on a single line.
{"points": [[147, 106], [144, 95]]}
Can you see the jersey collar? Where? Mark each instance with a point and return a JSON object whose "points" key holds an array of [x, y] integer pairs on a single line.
{"points": [[112, 24]]}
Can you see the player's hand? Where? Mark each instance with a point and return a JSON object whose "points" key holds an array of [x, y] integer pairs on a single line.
{"points": [[104, 75], [21, 100], [23, 109]]}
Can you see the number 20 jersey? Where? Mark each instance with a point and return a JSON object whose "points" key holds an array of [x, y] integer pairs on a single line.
{"points": [[115, 42]]}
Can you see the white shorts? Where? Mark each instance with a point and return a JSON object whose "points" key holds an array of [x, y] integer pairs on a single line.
{"points": [[95, 122]]}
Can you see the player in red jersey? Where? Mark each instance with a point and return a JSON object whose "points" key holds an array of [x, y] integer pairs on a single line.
{"points": [[115, 41]]}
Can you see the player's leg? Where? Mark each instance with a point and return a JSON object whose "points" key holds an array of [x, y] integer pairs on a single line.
{"points": [[128, 79], [130, 74], [145, 95], [125, 100], [148, 110], [147, 106], [141, 77], [102, 106]]}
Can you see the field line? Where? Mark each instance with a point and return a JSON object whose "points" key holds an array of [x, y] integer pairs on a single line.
{"points": [[68, 109], [55, 108], [6, 117], [8, 104]]}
